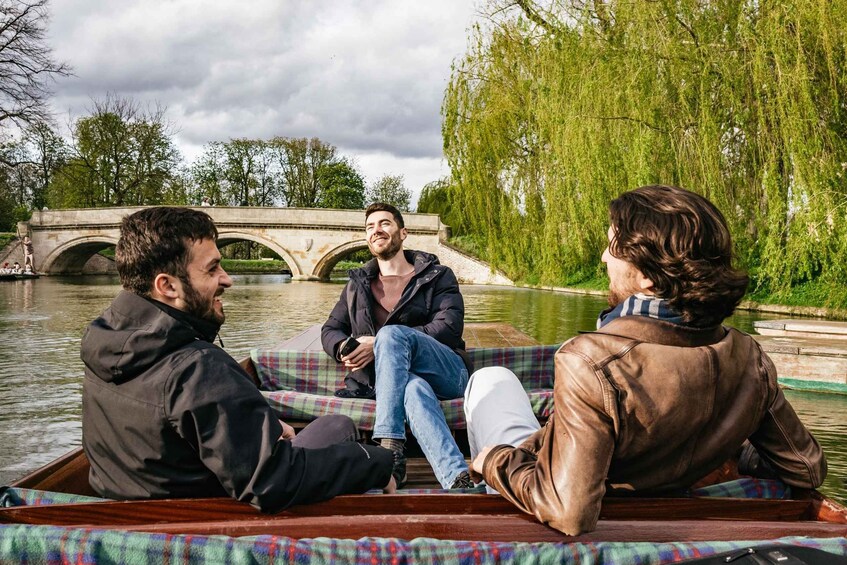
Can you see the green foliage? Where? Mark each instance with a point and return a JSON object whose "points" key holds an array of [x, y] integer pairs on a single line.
{"points": [[253, 266], [342, 186], [438, 197], [545, 122], [6, 238], [390, 190], [121, 155], [296, 172]]}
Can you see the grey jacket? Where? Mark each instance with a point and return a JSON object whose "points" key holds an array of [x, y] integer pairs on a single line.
{"points": [[166, 413]]}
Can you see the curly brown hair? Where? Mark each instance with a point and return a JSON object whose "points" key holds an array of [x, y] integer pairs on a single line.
{"points": [[680, 241]]}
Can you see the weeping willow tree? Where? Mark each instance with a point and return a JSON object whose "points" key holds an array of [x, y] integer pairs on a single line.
{"points": [[558, 108]]}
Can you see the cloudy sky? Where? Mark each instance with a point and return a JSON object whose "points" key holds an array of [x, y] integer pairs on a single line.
{"points": [[367, 76]]}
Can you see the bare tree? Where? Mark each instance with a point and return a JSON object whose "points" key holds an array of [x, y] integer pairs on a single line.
{"points": [[26, 63]]}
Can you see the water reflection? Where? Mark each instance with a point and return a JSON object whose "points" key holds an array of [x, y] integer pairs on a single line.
{"points": [[41, 323]]}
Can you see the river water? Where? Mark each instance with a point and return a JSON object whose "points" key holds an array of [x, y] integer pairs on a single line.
{"points": [[41, 323]]}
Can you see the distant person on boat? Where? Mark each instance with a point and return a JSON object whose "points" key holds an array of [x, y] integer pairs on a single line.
{"points": [[405, 315], [206, 201], [28, 251], [16, 268], [660, 395], [167, 413]]}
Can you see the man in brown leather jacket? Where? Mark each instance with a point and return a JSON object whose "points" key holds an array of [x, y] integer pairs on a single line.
{"points": [[660, 395]]}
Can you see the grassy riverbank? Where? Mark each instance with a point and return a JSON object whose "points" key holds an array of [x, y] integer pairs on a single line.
{"points": [[254, 266]]}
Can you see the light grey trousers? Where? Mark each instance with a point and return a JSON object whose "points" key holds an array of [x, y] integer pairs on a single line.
{"points": [[497, 410]]}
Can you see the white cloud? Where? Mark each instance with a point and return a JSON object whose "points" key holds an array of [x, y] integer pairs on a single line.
{"points": [[366, 76]]}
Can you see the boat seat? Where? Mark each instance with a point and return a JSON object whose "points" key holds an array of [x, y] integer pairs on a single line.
{"points": [[300, 385]]}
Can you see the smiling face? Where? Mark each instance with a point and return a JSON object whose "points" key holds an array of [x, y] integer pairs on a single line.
{"points": [[385, 237], [207, 280], [624, 278]]}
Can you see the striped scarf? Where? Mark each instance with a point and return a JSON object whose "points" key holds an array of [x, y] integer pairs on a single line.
{"points": [[640, 305]]}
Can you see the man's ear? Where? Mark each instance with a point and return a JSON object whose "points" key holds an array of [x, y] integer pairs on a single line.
{"points": [[403, 233], [645, 284], [166, 288]]}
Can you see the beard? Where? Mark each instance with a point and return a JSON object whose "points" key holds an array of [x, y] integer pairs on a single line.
{"points": [[620, 291], [394, 245], [200, 307]]}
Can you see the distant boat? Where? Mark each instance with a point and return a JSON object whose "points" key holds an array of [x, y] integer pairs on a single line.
{"points": [[18, 276]]}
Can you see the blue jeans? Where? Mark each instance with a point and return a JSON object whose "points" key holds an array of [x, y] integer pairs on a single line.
{"points": [[414, 372]]}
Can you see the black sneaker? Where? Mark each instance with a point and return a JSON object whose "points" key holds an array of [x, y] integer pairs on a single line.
{"points": [[462, 481], [399, 469]]}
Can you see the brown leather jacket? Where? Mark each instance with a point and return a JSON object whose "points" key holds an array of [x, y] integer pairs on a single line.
{"points": [[649, 407]]}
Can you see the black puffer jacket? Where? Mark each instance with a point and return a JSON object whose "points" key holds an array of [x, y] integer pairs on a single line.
{"points": [[166, 413], [430, 303]]}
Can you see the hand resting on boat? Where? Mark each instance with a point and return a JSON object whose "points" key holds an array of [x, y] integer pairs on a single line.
{"points": [[362, 355]]}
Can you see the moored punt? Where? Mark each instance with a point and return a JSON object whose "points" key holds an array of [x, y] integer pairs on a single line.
{"points": [[808, 354]]}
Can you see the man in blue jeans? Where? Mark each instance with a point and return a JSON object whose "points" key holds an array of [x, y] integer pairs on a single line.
{"points": [[400, 319]]}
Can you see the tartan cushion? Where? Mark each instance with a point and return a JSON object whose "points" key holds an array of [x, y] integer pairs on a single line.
{"points": [[21, 543], [300, 385]]}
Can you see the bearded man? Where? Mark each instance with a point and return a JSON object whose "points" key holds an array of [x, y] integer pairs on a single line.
{"points": [[660, 395], [406, 315], [168, 414]]}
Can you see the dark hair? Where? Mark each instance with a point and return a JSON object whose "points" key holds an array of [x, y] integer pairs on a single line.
{"points": [[680, 241], [158, 240], [383, 207]]}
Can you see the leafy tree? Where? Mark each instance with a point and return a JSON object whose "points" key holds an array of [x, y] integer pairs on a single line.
{"points": [[300, 161], [558, 107], [437, 198], [26, 63], [391, 190], [121, 155], [49, 153], [341, 186]]}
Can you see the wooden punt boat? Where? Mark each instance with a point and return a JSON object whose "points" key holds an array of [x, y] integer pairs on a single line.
{"points": [[478, 517], [18, 276], [647, 530]]}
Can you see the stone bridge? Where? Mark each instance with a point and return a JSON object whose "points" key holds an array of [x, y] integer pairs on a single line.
{"points": [[310, 241]]}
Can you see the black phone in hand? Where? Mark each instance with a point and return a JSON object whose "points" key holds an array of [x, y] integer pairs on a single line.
{"points": [[349, 346]]}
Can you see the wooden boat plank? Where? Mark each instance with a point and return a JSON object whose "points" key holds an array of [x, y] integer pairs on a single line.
{"points": [[498, 528], [220, 509]]}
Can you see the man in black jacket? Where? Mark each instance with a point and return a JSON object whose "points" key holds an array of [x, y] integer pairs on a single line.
{"points": [[166, 413], [406, 314]]}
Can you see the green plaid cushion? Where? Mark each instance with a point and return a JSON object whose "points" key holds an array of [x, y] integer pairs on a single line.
{"points": [[299, 385]]}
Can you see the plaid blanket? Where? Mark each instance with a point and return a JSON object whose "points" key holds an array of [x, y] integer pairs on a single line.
{"points": [[299, 385], [55, 545]]}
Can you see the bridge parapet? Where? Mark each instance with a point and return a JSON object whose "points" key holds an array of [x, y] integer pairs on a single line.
{"points": [[311, 241]]}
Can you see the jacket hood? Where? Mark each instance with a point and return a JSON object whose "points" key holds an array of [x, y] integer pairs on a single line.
{"points": [[134, 333]]}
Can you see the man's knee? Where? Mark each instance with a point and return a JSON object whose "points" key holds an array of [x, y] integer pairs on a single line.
{"points": [[486, 380], [339, 425], [393, 333]]}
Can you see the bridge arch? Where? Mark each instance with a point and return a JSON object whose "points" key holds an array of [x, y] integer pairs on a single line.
{"points": [[324, 266], [70, 257], [225, 237]]}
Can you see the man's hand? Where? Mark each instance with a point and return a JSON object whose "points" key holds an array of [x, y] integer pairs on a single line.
{"points": [[478, 462], [391, 487], [287, 431], [362, 355]]}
